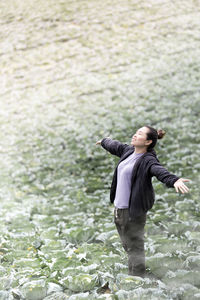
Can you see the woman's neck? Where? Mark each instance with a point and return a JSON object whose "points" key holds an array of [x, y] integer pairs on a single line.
{"points": [[140, 150]]}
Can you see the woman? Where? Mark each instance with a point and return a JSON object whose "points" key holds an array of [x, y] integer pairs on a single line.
{"points": [[132, 192]]}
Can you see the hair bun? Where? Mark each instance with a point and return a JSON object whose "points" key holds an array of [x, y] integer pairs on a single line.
{"points": [[161, 133]]}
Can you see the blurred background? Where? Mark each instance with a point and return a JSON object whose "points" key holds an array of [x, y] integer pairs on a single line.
{"points": [[73, 72]]}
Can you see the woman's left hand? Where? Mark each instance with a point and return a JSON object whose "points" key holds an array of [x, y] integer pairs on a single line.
{"points": [[180, 186]]}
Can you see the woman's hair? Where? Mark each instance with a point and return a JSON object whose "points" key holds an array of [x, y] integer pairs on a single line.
{"points": [[153, 135]]}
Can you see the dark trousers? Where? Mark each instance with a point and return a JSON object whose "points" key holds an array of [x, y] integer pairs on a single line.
{"points": [[131, 233]]}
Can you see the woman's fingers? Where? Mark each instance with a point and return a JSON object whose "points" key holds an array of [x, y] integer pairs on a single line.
{"points": [[99, 142], [183, 188], [176, 188], [180, 186], [180, 190], [186, 188], [185, 179]]}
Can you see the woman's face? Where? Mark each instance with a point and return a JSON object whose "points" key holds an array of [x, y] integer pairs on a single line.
{"points": [[139, 139]]}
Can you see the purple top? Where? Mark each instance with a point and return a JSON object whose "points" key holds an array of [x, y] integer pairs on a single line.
{"points": [[124, 172]]}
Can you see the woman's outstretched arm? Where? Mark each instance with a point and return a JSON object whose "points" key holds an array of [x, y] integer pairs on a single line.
{"points": [[168, 178], [113, 146]]}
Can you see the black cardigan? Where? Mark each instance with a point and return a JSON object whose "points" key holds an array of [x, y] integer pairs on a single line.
{"points": [[142, 195]]}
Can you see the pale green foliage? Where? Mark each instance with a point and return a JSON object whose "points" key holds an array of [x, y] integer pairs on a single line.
{"points": [[73, 73]]}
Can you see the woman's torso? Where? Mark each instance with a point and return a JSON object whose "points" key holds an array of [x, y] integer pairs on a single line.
{"points": [[124, 174]]}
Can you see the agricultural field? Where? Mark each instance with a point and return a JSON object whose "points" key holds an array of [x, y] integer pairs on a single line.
{"points": [[73, 72]]}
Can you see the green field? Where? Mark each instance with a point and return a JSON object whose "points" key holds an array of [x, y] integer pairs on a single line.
{"points": [[73, 72]]}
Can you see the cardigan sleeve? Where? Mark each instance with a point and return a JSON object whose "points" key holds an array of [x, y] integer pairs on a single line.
{"points": [[163, 174], [113, 146]]}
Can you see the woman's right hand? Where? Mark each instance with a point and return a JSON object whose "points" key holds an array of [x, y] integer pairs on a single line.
{"points": [[99, 142]]}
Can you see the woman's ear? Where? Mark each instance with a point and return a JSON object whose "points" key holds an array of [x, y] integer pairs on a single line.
{"points": [[148, 142]]}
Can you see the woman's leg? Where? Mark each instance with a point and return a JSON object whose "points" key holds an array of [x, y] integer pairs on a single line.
{"points": [[132, 237]]}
